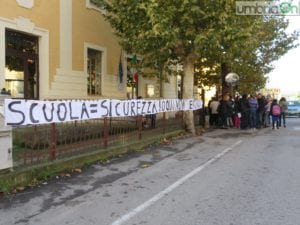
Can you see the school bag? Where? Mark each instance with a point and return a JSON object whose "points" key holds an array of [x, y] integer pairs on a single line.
{"points": [[276, 110]]}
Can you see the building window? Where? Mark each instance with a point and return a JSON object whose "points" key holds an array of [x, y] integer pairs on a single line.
{"points": [[94, 70], [21, 65], [150, 90], [94, 4], [134, 72]]}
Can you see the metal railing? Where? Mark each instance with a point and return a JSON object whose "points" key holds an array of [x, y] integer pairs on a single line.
{"points": [[46, 143]]}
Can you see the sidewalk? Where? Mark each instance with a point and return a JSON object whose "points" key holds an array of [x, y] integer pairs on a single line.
{"points": [[105, 191], [10, 181], [31, 177]]}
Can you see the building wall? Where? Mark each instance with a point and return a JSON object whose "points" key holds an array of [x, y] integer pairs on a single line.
{"points": [[89, 26], [40, 20], [66, 28], [91, 30], [170, 87]]}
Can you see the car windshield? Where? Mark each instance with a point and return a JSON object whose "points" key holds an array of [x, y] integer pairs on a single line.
{"points": [[294, 103]]}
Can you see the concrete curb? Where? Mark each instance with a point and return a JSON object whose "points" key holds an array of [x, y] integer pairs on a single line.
{"points": [[35, 174]]}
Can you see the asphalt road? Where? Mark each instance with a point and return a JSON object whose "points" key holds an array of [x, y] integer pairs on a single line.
{"points": [[225, 177]]}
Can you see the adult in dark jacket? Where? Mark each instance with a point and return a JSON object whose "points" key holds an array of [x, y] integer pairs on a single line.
{"points": [[261, 100], [224, 111], [244, 107], [253, 106]]}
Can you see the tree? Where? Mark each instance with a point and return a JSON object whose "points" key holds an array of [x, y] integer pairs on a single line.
{"points": [[246, 45], [206, 32], [161, 30]]}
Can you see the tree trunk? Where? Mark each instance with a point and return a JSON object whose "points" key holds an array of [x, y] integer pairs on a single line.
{"points": [[224, 71], [188, 89], [161, 95]]}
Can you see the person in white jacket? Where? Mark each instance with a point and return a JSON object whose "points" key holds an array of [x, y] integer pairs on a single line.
{"points": [[213, 109]]}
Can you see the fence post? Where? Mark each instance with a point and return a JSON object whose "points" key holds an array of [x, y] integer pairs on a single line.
{"points": [[105, 132], [140, 126], [164, 122], [53, 142], [182, 119]]}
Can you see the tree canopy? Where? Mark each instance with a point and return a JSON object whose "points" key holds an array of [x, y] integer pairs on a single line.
{"points": [[202, 34]]}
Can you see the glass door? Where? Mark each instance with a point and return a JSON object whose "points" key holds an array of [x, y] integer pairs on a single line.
{"points": [[21, 65]]}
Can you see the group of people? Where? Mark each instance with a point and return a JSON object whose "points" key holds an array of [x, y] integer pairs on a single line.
{"points": [[247, 112]]}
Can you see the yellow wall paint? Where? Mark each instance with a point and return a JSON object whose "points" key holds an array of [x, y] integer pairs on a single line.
{"points": [[44, 14], [89, 26]]}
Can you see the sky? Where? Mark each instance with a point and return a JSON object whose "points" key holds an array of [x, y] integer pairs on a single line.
{"points": [[286, 75]]}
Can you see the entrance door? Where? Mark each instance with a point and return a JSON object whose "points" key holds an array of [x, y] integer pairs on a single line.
{"points": [[21, 65]]}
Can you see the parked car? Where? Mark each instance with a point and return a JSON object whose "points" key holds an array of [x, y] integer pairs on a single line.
{"points": [[293, 108]]}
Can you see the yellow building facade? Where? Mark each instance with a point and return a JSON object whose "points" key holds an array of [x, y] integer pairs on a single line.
{"points": [[64, 49]]}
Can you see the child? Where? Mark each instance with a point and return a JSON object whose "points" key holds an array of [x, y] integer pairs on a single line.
{"points": [[237, 113], [275, 113]]}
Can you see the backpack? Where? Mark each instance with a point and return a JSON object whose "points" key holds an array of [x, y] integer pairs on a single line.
{"points": [[276, 110]]}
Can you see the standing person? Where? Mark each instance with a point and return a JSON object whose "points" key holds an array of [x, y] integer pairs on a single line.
{"points": [[245, 112], [230, 103], [275, 113], [213, 110], [237, 113], [152, 120], [261, 110], [284, 107], [143, 118], [267, 121], [224, 110], [253, 105]]}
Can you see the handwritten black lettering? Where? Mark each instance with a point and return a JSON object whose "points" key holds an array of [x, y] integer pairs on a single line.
{"points": [[143, 106], [11, 109], [132, 103], [149, 109], [22, 112], [71, 116], [126, 108], [51, 114], [84, 111], [116, 109], [138, 107], [59, 107], [154, 109], [104, 106], [33, 105], [191, 104]]}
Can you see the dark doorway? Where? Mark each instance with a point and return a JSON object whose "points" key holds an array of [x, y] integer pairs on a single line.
{"points": [[21, 65]]}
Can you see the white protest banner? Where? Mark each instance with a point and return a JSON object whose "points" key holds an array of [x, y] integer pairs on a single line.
{"points": [[23, 112]]}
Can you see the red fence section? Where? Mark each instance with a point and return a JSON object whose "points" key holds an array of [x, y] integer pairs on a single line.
{"points": [[46, 143]]}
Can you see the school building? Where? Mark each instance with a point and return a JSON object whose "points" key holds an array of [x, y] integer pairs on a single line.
{"points": [[64, 49]]}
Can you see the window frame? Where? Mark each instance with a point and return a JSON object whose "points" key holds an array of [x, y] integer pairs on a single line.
{"points": [[103, 51], [91, 5], [25, 57]]}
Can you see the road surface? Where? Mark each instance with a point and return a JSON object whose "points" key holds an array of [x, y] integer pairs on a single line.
{"points": [[224, 177]]}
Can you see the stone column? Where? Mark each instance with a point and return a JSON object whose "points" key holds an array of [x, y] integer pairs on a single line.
{"points": [[65, 34], [6, 161]]}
